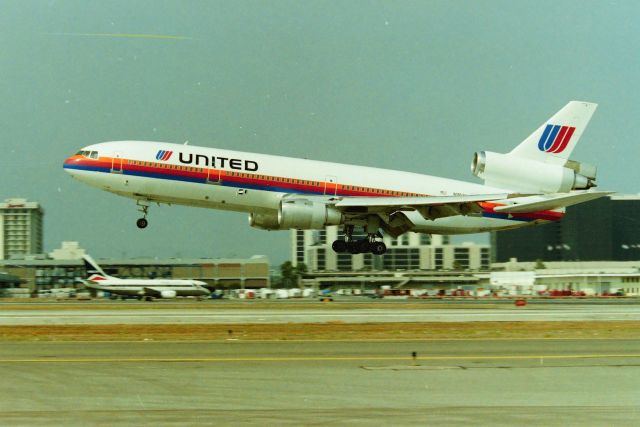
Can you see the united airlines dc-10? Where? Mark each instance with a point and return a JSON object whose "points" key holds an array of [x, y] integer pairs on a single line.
{"points": [[532, 184]]}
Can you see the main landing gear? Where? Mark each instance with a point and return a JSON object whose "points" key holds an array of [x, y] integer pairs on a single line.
{"points": [[359, 247], [142, 222], [363, 246]]}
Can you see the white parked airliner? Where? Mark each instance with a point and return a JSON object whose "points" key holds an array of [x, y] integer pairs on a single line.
{"points": [[142, 288], [532, 184]]}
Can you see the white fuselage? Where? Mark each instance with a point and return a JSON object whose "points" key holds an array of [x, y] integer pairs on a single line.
{"points": [[149, 287], [257, 183]]}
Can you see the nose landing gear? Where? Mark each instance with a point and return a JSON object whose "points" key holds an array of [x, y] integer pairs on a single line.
{"points": [[142, 222]]}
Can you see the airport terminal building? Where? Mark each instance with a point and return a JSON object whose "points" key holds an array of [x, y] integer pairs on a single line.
{"points": [[412, 260], [604, 229], [410, 251], [584, 277], [43, 272]]}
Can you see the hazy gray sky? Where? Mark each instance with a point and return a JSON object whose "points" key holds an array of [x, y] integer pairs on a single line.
{"points": [[412, 85]]}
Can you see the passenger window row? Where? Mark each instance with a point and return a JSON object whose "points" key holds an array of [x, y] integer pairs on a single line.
{"points": [[271, 178]]}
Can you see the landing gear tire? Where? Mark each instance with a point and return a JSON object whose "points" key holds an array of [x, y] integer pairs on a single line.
{"points": [[378, 248], [363, 246], [359, 247], [142, 223], [339, 246]]}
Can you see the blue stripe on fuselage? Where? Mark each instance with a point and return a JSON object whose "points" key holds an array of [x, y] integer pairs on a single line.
{"points": [[87, 168]]}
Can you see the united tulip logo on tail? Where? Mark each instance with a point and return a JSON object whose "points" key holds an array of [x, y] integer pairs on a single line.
{"points": [[163, 155], [555, 138]]}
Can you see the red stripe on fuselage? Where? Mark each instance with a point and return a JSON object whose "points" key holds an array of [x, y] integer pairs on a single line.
{"points": [[102, 162]]}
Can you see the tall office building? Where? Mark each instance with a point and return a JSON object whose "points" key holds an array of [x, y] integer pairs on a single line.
{"points": [[20, 228], [410, 251], [607, 229]]}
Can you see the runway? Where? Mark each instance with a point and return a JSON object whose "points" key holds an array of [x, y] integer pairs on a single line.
{"points": [[212, 314], [239, 378], [479, 382]]}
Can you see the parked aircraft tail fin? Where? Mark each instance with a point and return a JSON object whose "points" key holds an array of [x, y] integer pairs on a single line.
{"points": [[93, 269]]}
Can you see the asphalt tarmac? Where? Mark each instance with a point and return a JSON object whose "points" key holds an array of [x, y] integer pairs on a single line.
{"points": [[461, 382]]}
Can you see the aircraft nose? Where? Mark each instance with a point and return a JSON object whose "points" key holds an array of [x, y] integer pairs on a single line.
{"points": [[70, 164]]}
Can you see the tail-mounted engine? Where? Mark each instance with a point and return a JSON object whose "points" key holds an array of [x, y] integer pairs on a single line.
{"points": [[526, 175]]}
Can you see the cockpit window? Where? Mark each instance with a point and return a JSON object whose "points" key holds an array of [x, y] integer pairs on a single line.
{"points": [[87, 153]]}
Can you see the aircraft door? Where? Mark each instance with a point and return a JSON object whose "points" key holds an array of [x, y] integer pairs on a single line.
{"points": [[213, 176], [116, 164], [330, 185]]}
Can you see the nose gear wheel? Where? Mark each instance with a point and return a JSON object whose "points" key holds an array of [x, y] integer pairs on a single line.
{"points": [[142, 222]]}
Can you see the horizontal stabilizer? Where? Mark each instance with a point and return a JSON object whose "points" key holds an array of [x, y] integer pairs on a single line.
{"points": [[551, 201]]}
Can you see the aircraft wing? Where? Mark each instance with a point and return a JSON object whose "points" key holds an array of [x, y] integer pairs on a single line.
{"points": [[550, 201], [430, 207]]}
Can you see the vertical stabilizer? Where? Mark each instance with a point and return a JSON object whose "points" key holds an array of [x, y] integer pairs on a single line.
{"points": [[554, 141], [92, 267]]}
